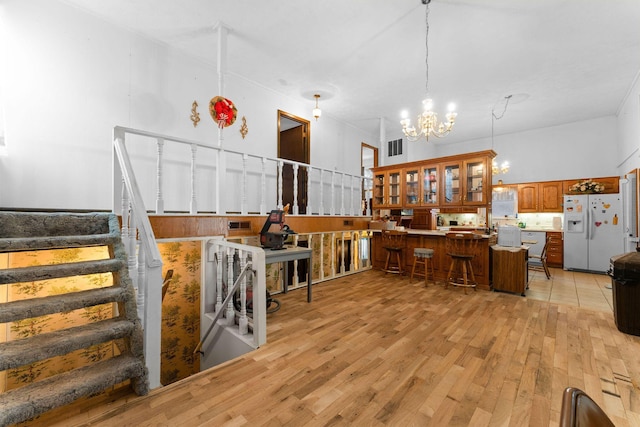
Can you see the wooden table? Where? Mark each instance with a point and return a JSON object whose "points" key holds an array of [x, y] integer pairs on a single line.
{"points": [[291, 253], [510, 268]]}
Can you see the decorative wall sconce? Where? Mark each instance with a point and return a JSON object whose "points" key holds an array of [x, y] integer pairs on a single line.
{"points": [[244, 129], [195, 116]]}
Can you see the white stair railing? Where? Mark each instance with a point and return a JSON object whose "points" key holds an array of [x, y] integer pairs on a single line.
{"points": [[236, 182]]}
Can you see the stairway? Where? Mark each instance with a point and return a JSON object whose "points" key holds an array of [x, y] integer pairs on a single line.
{"points": [[21, 232]]}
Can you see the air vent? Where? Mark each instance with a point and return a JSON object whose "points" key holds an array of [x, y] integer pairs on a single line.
{"points": [[347, 222], [239, 225]]}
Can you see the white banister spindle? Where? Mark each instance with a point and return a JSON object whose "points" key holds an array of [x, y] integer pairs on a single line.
{"points": [[321, 204], [142, 286], [263, 187], [193, 209], [231, 314], [243, 321], [295, 189], [352, 191], [342, 212], [333, 193], [219, 276], [132, 252], [333, 254], [159, 173], [280, 165], [341, 260], [125, 215], [243, 203], [310, 265], [321, 256]]}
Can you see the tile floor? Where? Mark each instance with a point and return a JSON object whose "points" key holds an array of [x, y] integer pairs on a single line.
{"points": [[585, 290]]}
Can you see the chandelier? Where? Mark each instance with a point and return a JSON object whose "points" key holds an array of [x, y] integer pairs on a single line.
{"points": [[503, 168], [428, 124]]}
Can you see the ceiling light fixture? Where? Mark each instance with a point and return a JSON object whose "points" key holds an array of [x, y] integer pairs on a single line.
{"points": [[316, 111], [428, 120]]}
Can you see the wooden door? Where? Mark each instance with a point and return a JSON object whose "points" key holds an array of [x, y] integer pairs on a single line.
{"points": [[293, 144]]}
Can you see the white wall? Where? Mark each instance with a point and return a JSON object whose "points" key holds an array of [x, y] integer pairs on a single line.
{"points": [[629, 130], [68, 78]]}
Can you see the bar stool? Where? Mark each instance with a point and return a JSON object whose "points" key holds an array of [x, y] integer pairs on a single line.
{"points": [[423, 256], [394, 242], [461, 247]]}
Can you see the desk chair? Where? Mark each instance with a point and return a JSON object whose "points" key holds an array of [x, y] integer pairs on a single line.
{"points": [[542, 258], [424, 257], [394, 242], [461, 247], [579, 410]]}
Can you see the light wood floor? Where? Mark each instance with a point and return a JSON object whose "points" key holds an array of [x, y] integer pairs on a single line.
{"points": [[375, 350]]}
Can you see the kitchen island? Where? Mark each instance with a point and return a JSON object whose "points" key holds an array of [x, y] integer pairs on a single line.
{"points": [[436, 239]]}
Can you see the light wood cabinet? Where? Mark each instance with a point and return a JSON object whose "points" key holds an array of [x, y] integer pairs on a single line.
{"points": [[540, 197], [387, 189], [447, 182], [555, 250], [465, 182], [611, 184]]}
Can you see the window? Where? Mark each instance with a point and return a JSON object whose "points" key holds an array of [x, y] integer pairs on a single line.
{"points": [[394, 147]]}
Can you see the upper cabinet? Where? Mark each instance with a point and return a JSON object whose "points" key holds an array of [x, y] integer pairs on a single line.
{"points": [[387, 189], [465, 182], [540, 197], [453, 181]]}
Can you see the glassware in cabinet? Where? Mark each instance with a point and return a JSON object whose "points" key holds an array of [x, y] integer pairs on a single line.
{"points": [[412, 186], [430, 186]]}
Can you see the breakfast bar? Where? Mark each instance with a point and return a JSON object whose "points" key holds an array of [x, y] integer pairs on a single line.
{"points": [[436, 240]]}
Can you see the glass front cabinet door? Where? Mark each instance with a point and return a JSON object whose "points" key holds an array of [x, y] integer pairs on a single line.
{"points": [[452, 194], [430, 186], [412, 187], [475, 179], [387, 190]]}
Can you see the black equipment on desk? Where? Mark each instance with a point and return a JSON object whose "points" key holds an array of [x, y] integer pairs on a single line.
{"points": [[275, 239]]}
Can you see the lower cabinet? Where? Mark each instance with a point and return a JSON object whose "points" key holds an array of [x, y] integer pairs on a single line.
{"points": [[509, 269], [555, 250]]}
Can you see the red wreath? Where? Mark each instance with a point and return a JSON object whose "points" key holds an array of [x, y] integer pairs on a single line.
{"points": [[222, 111]]}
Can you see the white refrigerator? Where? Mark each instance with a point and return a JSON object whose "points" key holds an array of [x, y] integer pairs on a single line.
{"points": [[594, 231]]}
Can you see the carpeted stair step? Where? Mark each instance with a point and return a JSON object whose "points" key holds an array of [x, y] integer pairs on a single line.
{"points": [[36, 307], [34, 399], [18, 244], [16, 353], [55, 271]]}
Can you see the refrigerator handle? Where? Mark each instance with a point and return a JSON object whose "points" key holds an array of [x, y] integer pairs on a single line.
{"points": [[589, 224]]}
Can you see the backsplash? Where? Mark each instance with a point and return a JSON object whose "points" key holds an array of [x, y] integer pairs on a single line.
{"points": [[532, 220]]}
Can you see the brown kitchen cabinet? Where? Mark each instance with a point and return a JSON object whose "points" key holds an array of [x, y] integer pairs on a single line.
{"points": [[540, 197], [555, 249], [465, 182], [387, 189], [453, 181], [611, 184], [509, 269]]}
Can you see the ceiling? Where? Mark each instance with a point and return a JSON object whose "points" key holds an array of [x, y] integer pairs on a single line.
{"points": [[562, 60]]}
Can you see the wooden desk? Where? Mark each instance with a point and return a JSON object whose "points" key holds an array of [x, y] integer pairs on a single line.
{"points": [[510, 268], [290, 253]]}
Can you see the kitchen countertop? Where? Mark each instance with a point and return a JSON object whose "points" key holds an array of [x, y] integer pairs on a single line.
{"points": [[442, 233], [534, 228]]}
